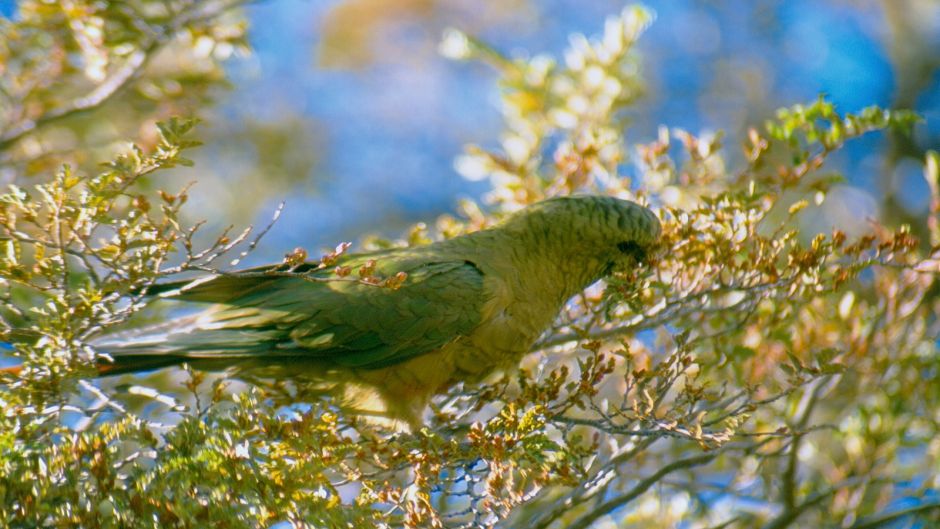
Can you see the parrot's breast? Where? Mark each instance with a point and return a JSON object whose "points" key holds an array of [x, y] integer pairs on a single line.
{"points": [[402, 391]]}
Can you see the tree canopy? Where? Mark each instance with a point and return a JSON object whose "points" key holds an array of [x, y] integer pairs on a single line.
{"points": [[761, 371]]}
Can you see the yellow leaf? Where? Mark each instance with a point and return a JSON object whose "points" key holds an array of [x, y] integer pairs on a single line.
{"points": [[797, 206]]}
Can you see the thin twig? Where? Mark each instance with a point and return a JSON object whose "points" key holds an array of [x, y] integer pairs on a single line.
{"points": [[619, 501], [881, 520], [119, 80]]}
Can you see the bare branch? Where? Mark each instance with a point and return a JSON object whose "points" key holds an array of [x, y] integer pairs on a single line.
{"points": [[881, 520], [619, 501], [122, 77]]}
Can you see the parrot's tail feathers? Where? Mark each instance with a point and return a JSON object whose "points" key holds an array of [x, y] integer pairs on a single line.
{"points": [[114, 368], [106, 368], [207, 351], [141, 363], [138, 363]]}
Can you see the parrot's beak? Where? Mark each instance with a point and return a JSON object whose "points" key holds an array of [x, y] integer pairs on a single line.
{"points": [[631, 255]]}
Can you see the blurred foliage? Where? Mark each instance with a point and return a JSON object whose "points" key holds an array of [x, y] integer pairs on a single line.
{"points": [[353, 30], [911, 41], [253, 160], [753, 375], [715, 65], [80, 78]]}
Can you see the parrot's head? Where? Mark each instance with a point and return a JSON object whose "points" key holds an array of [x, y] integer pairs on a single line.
{"points": [[593, 234]]}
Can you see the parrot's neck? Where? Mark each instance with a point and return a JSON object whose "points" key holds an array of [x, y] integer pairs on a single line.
{"points": [[539, 265], [536, 277]]}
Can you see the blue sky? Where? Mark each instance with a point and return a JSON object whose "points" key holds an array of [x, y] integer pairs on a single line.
{"points": [[392, 127]]}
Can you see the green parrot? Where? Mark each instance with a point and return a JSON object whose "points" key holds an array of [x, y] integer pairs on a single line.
{"points": [[469, 306]]}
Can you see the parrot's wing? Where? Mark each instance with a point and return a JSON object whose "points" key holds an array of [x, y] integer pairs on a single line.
{"points": [[223, 287], [346, 322]]}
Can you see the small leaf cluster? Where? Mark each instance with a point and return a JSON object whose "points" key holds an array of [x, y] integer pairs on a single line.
{"points": [[563, 124], [76, 249], [80, 77]]}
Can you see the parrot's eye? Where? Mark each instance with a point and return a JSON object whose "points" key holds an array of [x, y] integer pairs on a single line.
{"points": [[632, 249]]}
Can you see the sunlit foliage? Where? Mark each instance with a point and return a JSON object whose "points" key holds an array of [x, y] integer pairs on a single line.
{"points": [[760, 371], [79, 78]]}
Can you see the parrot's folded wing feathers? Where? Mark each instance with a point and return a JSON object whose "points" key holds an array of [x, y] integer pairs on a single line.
{"points": [[367, 326], [345, 322], [220, 287]]}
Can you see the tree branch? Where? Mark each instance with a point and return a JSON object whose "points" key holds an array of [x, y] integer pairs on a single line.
{"points": [[119, 80], [675, 309], [641, 487], [875, 522], [92, 100]]}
